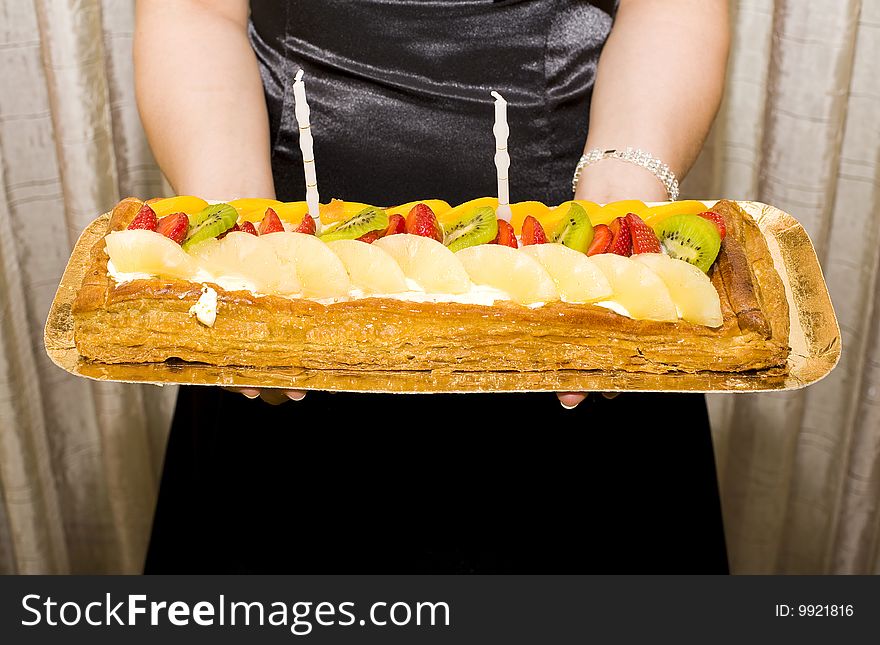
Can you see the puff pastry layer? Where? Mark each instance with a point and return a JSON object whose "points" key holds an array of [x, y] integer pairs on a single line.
{"points": [[150, 321]]}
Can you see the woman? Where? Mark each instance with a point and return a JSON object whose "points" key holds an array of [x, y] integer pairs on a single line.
{"points": [[399, 93]]}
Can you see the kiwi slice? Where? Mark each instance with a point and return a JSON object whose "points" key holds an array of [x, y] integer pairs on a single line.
{"points": [[364, 221], [212, 221], [690, 238], [575, 230], [479, 226], [197, 218]]}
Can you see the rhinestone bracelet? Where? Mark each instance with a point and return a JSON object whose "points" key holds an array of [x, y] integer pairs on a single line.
{"points": [[634, 156]]}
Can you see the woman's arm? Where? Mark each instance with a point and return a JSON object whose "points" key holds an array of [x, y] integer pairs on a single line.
{"points": [[200, 97], [201, 101], [658, 86]]}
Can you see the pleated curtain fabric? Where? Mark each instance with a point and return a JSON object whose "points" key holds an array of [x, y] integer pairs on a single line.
{"points": [[799, 128], [79, 461]]}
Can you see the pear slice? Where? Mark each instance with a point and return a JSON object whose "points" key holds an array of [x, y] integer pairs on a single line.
{"points": [[426, 262], [242, 259], [320, 271], [577, 278], [369, 267], [517, 274], [690, 288], [143, 251], [637, 288]]}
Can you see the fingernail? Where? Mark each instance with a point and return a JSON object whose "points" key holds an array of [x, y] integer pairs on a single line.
{"points": [[251, 394], [296, 396], [568, 407]]}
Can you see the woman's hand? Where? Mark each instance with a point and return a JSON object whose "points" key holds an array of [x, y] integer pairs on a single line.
{"points": [[272, 396], [570, 400]]}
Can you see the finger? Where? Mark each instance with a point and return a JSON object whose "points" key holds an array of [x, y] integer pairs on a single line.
{"points": [[249, 392], [610, 395], [295, 395], [570, 400], [274, 397]]}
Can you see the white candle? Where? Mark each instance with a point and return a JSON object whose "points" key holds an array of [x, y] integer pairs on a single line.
{"points": [[502, 159], [301, 110]]}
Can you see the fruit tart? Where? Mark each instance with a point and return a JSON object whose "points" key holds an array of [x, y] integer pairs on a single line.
{"points": [[426, 286]]}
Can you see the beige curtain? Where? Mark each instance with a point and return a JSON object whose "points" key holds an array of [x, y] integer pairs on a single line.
{"points": [[79, 461], [800, 128]]}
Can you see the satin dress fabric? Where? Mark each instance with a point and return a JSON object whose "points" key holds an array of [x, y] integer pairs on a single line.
{"points": [[399, 93], [484, 483]]}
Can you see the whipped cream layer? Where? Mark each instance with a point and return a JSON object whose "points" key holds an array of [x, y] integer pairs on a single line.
{"points": [[476, 295], [614, 306]]}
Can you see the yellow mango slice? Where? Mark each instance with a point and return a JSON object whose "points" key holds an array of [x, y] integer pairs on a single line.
{"points": [[521, 210], [611, 211], [291, 211], [614, 210], [253, 209], [454, 213], [180, 204]]}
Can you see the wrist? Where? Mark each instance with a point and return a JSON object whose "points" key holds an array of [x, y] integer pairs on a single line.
{"points": [[610, 180], [629, 156]]}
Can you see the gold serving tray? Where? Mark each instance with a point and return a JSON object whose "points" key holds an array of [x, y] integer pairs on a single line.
{"points": [[814, 341]]}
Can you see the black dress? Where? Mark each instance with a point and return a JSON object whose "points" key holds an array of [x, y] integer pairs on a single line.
{"points": [[399, 94]]}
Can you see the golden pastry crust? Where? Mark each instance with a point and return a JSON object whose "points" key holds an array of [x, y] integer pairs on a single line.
{"points": [[150, 321]]}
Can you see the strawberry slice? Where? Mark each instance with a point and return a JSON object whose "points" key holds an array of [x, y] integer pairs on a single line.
{"points": [[307, 225], [506, 236], [643, 238], [174, 226], [602, 237], [396, 224], [247, 227], [532, 232], [717, 219], [621, 243], [145, 219], [371, 236], [422, 221], [271, 223]]}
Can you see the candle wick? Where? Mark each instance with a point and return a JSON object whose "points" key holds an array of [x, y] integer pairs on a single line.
{"points": [[298, 76], [498, 96]]}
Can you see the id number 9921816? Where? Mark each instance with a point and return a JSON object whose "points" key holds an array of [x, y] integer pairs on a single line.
{"points": [[817, 611]]}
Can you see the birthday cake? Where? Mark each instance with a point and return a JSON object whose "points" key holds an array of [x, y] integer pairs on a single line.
{"points": [[425, 286]]}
